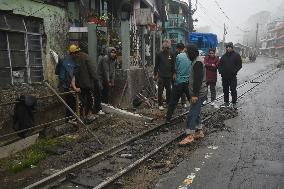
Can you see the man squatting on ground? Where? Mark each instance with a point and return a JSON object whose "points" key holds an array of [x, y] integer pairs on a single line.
{"points": [[211, 63], [106, 73], [163, 71], [181, 79], [230, 64], [198, 92]]}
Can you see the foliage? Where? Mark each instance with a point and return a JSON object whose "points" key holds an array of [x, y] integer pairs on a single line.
{"points": [[32, 155]]}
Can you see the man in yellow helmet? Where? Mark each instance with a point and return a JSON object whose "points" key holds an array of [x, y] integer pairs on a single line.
{"points": [[65, 71]]}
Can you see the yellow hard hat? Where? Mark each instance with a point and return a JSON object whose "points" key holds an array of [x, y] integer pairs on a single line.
{"points": [[74, 48]]}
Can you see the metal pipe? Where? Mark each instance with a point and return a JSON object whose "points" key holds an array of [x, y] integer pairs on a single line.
{"points": [[70, 109]]}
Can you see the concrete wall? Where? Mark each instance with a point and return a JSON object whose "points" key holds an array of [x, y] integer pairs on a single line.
{"points": [[136, 82], [55, 20]]}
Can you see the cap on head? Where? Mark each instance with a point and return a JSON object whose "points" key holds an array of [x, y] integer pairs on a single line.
{"points": [[73, 48], [230, 44], [180, 46]]}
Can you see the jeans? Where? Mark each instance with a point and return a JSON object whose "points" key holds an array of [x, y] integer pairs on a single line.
{"points": [[230, 83], [212, 86], [193, 120], [164, 83], [177, 92]]}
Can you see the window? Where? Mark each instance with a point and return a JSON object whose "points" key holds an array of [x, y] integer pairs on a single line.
{"points": [[20, 50], [173, 22], [173, 37]]}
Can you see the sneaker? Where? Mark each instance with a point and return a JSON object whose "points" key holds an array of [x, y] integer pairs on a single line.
{"points": [[73, 121], [167, 121], [161, 108], [101, 112], [234, 106], [204, 103], [92, 117], [214, 105], [225, 105]]}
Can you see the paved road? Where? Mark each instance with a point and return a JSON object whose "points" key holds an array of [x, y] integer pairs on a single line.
{"points": [[251, 156], [249, 70]]}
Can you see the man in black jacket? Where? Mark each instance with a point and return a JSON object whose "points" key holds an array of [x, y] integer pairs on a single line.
{"points": [[163, 71], [230, 64]]}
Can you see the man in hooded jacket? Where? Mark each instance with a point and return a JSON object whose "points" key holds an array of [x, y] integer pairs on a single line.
{"points": [[106, 73]]}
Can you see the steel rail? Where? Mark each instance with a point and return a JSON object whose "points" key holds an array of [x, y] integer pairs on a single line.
{"points": [[116, 176], [94, 158], [217, 99], [35, 127]]}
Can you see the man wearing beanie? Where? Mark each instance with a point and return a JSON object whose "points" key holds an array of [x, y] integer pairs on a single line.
{"points": [[230, 64], [163, 72]]}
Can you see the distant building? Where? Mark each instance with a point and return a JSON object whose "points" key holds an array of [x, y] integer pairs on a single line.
{"points": [[177, 24], [272, 44]]}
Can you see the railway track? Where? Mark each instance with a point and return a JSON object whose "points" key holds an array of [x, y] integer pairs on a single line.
{"points": [[102, 169]]}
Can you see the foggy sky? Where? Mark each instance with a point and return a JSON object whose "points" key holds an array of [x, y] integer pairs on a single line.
{"points": [[238, 11]]}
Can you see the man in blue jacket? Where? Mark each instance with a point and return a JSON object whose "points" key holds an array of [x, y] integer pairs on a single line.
{"points": [[181, 78], [65, 71]]}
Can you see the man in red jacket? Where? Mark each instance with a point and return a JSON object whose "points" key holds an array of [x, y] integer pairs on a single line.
{"points": [[211, 63]]}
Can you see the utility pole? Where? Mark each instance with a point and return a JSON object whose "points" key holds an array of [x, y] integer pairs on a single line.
{"points": [[163, 19], [224, 37], [256, 35]]}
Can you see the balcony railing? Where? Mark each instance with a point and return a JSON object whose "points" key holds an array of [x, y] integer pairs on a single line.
{"points": [[177, 23]]}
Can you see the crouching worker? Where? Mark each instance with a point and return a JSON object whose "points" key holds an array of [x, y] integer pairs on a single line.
{"points": [[198, 92], [23, 117]]}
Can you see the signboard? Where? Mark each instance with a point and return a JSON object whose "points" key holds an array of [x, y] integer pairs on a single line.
{"points": [[143, 16]]}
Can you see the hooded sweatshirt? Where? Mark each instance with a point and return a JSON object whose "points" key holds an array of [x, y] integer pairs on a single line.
{"points": [[106, 67]]}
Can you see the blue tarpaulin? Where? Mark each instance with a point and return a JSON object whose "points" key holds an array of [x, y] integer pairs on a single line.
{"points": [[203, 41]]}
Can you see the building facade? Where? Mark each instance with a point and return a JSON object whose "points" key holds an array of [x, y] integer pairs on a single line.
{"points": [[177, 24], [272, 44], [28, 30]]}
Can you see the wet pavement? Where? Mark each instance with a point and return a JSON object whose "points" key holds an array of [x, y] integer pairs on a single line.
{"points": [[250, 155]]}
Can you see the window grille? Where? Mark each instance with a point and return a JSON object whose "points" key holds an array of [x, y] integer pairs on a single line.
{"points": [[20, 50]]}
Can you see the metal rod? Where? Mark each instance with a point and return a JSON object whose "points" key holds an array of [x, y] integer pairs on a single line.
{"points": [[35, 127], [70, 109]]}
